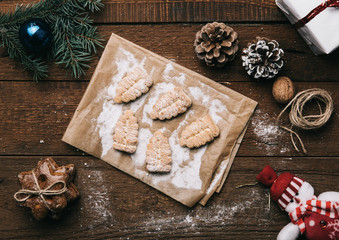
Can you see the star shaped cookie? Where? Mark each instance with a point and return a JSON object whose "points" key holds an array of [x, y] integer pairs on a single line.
{"points": [[47, 175]]}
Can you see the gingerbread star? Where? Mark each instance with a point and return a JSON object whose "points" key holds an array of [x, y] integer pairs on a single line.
{"points": [[47, 189]]}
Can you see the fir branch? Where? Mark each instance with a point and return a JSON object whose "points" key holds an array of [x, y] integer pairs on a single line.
{"points": [[23, 13], [93, 5], [89, 39], [74, 37], [36, 66]]}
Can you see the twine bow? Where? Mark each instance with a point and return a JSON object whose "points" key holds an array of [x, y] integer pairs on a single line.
{"points": [[40, 192], [316, 11]]}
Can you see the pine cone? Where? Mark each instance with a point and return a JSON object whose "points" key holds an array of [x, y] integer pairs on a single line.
{"points": [[216, 44], [262, 58]]}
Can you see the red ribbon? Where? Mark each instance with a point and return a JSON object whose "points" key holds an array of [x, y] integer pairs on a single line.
{"points": [[316, 11]]}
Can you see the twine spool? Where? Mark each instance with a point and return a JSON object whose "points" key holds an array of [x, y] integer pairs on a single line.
{"points": [[307, 122]]}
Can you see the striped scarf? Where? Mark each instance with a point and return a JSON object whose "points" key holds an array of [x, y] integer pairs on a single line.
{"points": [[327, 208]]}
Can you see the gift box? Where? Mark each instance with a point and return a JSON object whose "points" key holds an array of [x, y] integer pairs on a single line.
{"points": [[317, 21]]}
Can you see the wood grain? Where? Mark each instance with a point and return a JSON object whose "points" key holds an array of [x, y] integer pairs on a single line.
{"points": [[35, 116], [172, 11], [175, 42], [114, 205]]}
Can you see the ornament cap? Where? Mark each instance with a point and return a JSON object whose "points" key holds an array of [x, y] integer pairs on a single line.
{"points": [[267, 176], [279, 185]]}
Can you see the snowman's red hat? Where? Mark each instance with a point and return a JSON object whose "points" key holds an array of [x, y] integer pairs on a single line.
{"points": [[283, 188]]}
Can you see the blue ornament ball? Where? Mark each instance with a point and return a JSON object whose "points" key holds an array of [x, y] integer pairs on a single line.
{"points": [[35, 35]]}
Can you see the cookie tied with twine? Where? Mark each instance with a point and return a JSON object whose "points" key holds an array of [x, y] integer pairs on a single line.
{"points": [[307, 122], [47, 189]]}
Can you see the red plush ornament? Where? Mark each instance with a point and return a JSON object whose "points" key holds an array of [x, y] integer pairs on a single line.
{"points": [[315, 217], [267, 176], [278, 185]]}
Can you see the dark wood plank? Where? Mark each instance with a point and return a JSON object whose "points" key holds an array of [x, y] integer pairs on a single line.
{"points": [[115, 205], [34, 117], [175, 42], [169, 11]]}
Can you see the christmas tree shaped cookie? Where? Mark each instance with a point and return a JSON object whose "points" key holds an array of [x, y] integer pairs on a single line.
{"points": [[132, 86], [159, 154], [171, 104], [199, 132], [125, 137]]}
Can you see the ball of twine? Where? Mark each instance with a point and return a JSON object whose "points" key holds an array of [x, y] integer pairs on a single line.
{"points": [[307, 122]]}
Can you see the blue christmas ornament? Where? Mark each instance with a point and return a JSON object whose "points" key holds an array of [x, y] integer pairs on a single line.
{"points": [[35, 35]]}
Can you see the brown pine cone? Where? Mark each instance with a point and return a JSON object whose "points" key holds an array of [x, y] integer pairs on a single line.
{"points": [[216, 44]]}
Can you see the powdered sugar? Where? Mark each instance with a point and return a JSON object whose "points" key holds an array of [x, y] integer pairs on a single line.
{"points": [[106, 122], [140, 155], [168, 69], [182, 175], [219, 214], [187, 176], [267, 131], [221, 169], [198, 95], [96, 200], [181, 78], [111, 111], [216, 107]]}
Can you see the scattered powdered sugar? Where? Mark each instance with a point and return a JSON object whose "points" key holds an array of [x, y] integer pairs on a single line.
{"points": [[198, 95], [266, 130], [168, 69], [140, 155], [96, 200], [187, 176], [220, 214], [263, 127], [182, 175], [106, 122], [135, 105], [215, 108], [111, 111], [179, 79], [284, 150], [221, 169]]}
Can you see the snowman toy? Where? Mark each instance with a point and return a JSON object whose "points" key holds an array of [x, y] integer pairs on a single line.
{"points": [[317, 218]]}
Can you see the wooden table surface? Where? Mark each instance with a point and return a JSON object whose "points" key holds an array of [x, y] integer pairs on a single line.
{"points": [[114, 205]]}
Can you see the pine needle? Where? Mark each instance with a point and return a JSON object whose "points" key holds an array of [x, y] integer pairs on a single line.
{"points": [[75, 39]]}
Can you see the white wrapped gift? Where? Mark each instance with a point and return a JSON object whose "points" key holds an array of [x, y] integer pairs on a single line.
{"points": [[322, 32]]}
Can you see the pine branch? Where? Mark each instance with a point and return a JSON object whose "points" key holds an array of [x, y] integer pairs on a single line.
{"points": [[93, 5], [24, 12], [72, 56], [74, 37], [9, 39]]}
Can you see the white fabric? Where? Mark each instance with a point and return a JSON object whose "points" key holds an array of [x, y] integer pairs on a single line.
{"points": [[322, 32]]}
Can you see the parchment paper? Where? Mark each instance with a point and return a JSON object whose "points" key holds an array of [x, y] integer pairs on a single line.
{"points": [[196, 173]]}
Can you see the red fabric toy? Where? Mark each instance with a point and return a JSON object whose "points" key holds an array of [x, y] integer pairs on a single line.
{"points": [[316, 217]]}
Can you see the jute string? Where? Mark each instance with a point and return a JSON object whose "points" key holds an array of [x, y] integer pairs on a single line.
{"points": [[307, 122], [40, 192]]}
